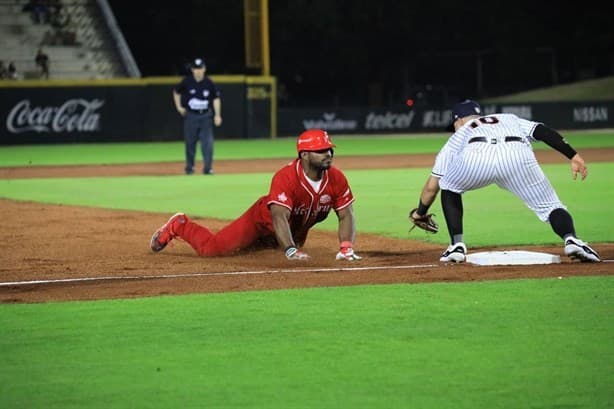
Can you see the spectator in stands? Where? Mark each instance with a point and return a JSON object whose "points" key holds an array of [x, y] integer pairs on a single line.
{"points": [[60, 19], [61, 34], [12, 70], [55, 7], [42, 62], [39, 10], [4, 73]]}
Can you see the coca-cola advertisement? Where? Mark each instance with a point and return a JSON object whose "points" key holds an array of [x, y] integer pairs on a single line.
{"points": [[74, 115], [71, 114], [114, 113]]}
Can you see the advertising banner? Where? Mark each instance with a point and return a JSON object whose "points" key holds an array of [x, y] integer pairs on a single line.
{"points": [[143, 110], [134, 110], [362, 120]]}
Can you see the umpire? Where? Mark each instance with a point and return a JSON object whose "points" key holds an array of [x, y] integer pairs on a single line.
{"points": [[198, 101]]}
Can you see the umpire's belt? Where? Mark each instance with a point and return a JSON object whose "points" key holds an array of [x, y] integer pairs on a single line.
{"points": [[199, 111], [494, 140]]}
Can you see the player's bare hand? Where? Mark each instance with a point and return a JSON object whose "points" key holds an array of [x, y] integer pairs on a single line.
{"points": [[578, 166], [181, 111], [292, 253], [217, 120]]}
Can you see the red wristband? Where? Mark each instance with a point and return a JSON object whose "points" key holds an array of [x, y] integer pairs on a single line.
{"points": [[346, 244]]}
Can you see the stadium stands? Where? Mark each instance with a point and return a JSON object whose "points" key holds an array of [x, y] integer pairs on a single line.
{"points": [[79, 46]]}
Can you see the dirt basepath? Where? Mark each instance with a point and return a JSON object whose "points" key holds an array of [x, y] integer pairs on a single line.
{"points": [[55, 253], [263, 165]]}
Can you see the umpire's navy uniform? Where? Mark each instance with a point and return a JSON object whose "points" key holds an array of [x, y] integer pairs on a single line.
{"points": [[195, 98]]}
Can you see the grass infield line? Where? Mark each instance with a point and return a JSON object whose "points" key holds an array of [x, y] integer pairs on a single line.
{"points": [[222, 273]]}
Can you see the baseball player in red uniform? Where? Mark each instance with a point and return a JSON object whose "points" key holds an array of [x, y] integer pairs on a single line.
{"points": [[302, 193]]}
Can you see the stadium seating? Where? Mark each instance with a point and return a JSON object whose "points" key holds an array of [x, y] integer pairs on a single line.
{"points": [[80, 50]]}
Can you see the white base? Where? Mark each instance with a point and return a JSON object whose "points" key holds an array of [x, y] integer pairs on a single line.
{"points": [[490, 258]]}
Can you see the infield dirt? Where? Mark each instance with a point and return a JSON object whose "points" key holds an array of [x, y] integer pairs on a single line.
{"points": [[107, 251]]}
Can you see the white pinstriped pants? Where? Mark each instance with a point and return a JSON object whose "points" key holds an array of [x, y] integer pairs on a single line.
{"points": [[511, 166]]}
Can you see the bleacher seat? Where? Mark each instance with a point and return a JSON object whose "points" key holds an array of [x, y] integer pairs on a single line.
{"points": [[20, 39]]}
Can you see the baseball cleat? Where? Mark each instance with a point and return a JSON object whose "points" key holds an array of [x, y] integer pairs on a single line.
{"points": [[576, 249], [165, 234], [455, 253]]}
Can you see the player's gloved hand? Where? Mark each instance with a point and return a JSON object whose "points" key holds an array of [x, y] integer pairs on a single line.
{"points": [[292, 253], [346, 252]]}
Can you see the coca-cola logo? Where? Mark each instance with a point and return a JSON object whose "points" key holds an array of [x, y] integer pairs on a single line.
{"points": [[74, 115]]}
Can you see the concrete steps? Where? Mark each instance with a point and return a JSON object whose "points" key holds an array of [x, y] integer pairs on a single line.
{"points": [[20, 38]]}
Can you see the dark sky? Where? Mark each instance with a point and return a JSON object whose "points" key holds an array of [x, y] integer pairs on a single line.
{"points": [[381, 52]]}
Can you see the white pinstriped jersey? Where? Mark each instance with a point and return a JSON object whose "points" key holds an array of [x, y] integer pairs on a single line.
{"points": [[462, 165]]}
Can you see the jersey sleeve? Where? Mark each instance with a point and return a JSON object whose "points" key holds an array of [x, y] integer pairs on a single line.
{"points": [[452, 147], [180, 87], [343, 193], [215, 91], [528, 127], [280, 192]]}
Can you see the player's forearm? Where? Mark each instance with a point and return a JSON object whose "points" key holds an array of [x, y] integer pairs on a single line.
{"points": [[283, 234], [428, 194], [281, 226], [347, 226], [554, 139], [217, 106]]}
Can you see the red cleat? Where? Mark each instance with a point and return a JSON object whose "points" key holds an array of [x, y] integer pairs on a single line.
{"points": [[166, 233]]}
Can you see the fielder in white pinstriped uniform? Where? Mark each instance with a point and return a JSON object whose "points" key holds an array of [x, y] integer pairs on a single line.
{"points": [[497, 149]]}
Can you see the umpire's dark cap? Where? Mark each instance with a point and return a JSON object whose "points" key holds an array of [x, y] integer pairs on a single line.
{"points": [[466, 108], [198, 63]]}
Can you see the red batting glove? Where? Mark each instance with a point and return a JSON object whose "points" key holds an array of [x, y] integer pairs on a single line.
{"points": [[346, 252], [292, 253]]}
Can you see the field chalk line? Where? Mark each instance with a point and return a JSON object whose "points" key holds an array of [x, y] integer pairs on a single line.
{"points": [[223, 273]]}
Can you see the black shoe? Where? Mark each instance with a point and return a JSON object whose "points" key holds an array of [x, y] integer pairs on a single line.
{"points": [[189, 171], [208, 172]]}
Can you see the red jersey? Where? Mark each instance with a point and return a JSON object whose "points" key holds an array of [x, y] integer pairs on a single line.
{"points": [[291, 189]]}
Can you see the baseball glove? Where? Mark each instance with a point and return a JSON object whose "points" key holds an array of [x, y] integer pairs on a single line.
{"points": [[426, 222]]}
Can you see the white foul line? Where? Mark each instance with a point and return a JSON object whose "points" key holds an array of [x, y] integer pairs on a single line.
{"points": [[223, 273]]}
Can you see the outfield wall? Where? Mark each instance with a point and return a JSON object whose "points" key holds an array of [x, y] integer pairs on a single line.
{"points": [[126, 110], [33, 112], [365, 120]]}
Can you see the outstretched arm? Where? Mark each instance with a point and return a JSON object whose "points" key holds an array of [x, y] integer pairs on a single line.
{"points": [[347, 234], [347, 225], [554, 139], [280, 216], [427, 196]]}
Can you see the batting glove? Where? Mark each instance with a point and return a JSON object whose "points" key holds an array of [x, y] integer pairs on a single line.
{"points": [[346, 252], [292, 253]]}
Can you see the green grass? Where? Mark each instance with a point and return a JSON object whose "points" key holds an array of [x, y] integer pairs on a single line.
{"points": [[396, 190], [120, 153], [503, 344], [487, 211], [506, 344]]}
